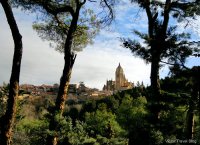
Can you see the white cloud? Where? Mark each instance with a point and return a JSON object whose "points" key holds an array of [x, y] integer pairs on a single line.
{"points": [[94, 65], [97, 64], [39, 62]]}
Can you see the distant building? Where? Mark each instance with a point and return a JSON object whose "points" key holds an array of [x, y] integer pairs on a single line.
{"points": [[37, 90], [120, 83], [82, 88], [110, 85], [72, 88]]}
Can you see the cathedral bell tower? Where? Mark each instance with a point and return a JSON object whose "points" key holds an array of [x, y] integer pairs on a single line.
{"points": [[119, 77], [120, 83]]}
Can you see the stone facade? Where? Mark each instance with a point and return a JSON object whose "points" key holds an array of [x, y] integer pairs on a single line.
{"points": [[120, 83]]}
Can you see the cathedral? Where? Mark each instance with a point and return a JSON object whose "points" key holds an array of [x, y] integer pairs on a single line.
{"points": [[120, 83]]}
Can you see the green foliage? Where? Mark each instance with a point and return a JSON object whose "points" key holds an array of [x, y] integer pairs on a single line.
{"points": [[197, 129], [113, 103], [3, 98], [112, 141], [131, 115], [120, 119], [30, 132], [156, 137], [123, 118], [131, 112], [53, 25], [99, 121], [176, 47], [35, 132], [56, 31], [54, 19], [78, 135]]}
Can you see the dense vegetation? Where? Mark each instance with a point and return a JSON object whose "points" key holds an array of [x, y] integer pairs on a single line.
{"points": [[123, 118], [165, 112]]}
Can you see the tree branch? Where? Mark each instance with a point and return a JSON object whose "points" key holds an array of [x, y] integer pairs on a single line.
{"points": [[83, 2], [60, 24], [111, 14], [173, 64], [150, 19], [166, 16], [55, 10], [183, 6], [92, 0]]}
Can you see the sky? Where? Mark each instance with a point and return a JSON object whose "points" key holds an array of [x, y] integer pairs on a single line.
{"points": [[94, 65]]}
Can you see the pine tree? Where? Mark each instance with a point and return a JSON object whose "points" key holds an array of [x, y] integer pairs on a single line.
{"points": [[66, 25], [7, 120], [162, 41]]}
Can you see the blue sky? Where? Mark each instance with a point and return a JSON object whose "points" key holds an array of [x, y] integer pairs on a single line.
{"points": [[94, 65]]}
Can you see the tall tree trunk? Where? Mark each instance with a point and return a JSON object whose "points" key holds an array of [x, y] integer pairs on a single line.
{"points": [[64, 81], [157, 44], [7, 120], [189, 130], [198, 88], [155, 85], [155, 59]]}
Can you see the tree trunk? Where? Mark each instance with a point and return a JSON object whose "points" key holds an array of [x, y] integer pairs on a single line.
{"points": [[155, 85], [189, 124], [7, 120], [64, 81], [61, 98], [157, 43], [196, 86], [189, 130]]}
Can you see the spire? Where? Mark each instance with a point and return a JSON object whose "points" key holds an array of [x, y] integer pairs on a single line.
{"points": [[119, 69], [119, 66]]}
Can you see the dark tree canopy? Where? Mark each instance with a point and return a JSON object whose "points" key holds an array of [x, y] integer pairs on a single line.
{"points": [[171, 45], [55, 18], [162, 43], [176, 48]]}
